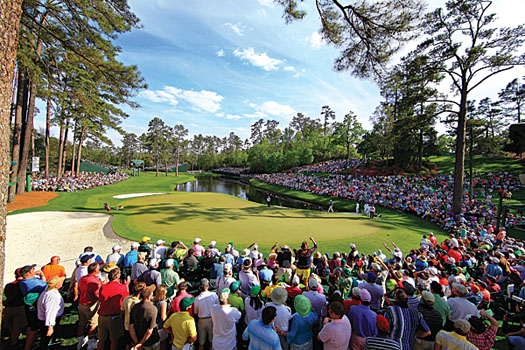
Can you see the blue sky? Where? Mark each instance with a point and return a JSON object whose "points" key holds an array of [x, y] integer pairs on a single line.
{"points": [[218, 66]]}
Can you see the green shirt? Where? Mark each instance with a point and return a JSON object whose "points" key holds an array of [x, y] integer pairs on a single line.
{"points": [[442, 306], [236, 301], [169, 277]]}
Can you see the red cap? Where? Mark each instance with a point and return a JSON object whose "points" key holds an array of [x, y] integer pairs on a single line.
{"points": [[382, 323]]}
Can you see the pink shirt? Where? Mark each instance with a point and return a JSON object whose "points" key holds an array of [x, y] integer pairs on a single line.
{"points": [[336, 334], [199, 250]]}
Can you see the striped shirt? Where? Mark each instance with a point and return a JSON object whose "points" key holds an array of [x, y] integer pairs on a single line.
{"points": [[404, 321], [377, 343], [453, 341]]}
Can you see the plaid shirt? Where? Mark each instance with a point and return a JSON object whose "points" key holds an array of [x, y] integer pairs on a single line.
{"points": [[485, 340]]}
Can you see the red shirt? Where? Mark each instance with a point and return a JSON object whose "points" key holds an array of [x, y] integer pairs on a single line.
{"points": [[293, 291], [433, 240], [175, 307], [453, 253], [111, 296], [485, 340], [89, 289]]}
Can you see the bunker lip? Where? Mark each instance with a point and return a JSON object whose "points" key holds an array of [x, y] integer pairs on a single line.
{"points": [[135, 195], [65, 234]]}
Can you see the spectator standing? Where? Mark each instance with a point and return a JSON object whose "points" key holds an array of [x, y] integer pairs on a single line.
{"points": [[197, 248], [300, 332], [304, 259], [226, 279], [455, 340], [284, 314], [143, 322], [253, 305], [480, 335], [131, 257], [260, 333], [460, 307], [432, 318], [182, 326], [440, 304], [169, 277], [144, 246], [405, 321], [247, 278], [53, 268], [88, 305], [337, 330], [14, 313], [235, 299], [382, 340], [159, 251], [139, 267], [127, 305], [151, 276], [116, 257], [202, 309], [111, 321], [224, 318], [182, 293], [363, 321], [50, 306], [317, 299]]}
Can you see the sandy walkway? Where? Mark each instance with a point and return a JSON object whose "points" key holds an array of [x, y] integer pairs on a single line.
{"points": [[32, 238], [31, 200]]}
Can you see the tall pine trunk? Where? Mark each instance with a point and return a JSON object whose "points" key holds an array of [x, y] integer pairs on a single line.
{"points": [[80, 141], [26, 141], [166, 164], [74, 152], [64, 141], [48, 118], [20, 111], [177, 163], [459, 166], [60, 147], [10, 11]]}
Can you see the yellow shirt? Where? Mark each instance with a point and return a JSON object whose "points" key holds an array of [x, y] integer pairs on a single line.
{"points": [[127, 305], [453, 341], [182, 326]]}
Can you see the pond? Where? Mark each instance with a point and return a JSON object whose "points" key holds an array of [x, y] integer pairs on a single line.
{"points": [[241, 189]]}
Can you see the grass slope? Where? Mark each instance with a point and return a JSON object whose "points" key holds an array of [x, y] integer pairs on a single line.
{"points": [[93, 200], [224, 218], [479, 163]]}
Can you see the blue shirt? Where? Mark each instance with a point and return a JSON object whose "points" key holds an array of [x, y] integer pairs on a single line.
{"points": [[32, 285], [300, 330], [261, 336], [266, 274], [363, 321], [404, 322], [216, 270], [230, 259], [131, 258]]}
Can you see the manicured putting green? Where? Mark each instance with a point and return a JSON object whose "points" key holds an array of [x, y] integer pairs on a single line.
{"points": [[224, 218]]}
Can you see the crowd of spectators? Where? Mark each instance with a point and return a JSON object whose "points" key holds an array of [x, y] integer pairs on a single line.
{"points": [[330, 166], [439, 295], [426, 197], [71, 182]]}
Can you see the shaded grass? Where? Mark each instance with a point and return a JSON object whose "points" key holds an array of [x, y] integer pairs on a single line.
{"points": [[480, 164], [224, 218]]}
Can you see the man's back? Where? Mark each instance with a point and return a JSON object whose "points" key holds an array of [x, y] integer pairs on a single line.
{"points": [[224, 333], [453, 341], [144, 317], [182, 326], [336, 334]]}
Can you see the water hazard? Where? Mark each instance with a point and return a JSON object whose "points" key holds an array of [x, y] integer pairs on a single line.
{"points": [[240, 189]]}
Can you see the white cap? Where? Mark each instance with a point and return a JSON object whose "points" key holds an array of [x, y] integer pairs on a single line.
{"points": [[160, 241], [255, 246], [116, 247], [169, 262], [197, 240], [352, 245], [153, 262], [451, 260], [212, 244], [134, 245]]}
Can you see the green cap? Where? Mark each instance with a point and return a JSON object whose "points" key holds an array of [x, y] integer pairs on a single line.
{"points": [[186, 303], [303, 305], [234, 286], [255, 291]]}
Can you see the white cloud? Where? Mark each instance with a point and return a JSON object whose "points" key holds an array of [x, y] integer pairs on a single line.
{"points": [[220, 53], [256, 115], [208, 101], [220, 115], [238, 28], [267, 3], [258, 60], [233, 117], [298, 74], [289, 69], [275, 109], [317, 41]]}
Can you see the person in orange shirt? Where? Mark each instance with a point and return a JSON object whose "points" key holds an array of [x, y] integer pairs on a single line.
{"points": [[53, 268]]}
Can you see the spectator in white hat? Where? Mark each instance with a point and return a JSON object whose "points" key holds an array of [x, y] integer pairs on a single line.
{"points": [[151, 276], [131, 257], [214, 251], [170, 278], [159, 251], [460, 307], [198, 250]]}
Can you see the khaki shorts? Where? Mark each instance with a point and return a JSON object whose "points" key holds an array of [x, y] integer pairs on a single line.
{"points": [[15, 318], [303, 274], [205, 330], [111, 327], [88, 316]]}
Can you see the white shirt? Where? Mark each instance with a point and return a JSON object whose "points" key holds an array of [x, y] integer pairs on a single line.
{"points": [[251, 313], [204, 302], [49, 306], [284, 314], [158, 252], [461, 309], [81, 272], [224, 282], [224, 331], [115, 257]]}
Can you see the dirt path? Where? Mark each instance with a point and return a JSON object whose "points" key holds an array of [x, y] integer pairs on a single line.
{"points": [[31, 200]]}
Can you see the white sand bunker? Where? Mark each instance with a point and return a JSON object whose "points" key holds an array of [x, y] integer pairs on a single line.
{"points": [[133, 195], [33, 238]]}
